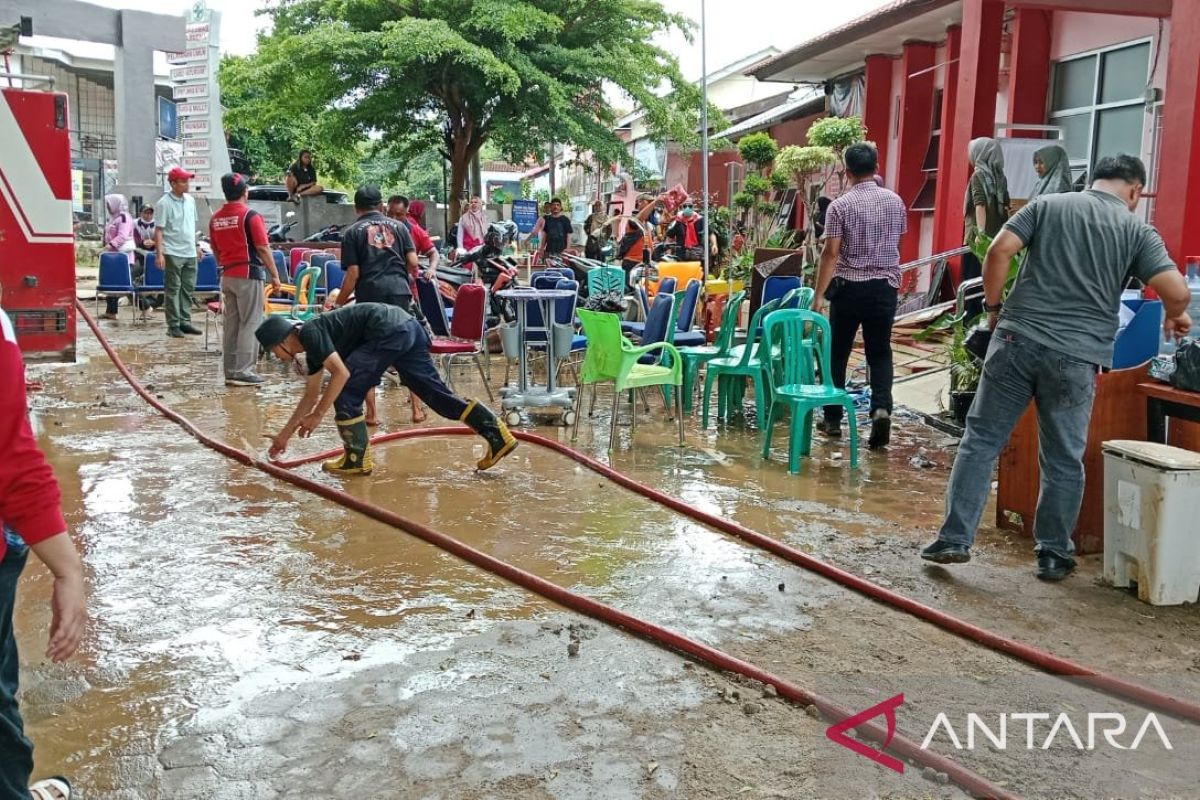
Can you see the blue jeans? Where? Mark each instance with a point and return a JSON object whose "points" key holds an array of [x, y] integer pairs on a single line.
{"points": [[16, 751], [1015, 371]]}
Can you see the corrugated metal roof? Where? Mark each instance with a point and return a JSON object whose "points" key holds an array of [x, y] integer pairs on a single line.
{"points": [[796, 102]]}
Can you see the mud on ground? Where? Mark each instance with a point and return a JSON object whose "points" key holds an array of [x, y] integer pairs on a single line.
{"points": [[251, 641]]}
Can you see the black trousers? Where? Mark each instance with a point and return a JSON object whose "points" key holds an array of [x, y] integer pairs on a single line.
{"points": [[405, 347], [870, 305], [16, 751]]}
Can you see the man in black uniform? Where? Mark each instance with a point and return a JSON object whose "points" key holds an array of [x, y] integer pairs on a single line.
{"points": [[357, 345], [378, 256]]}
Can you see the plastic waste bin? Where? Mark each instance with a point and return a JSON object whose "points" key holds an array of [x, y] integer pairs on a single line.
{"points": [[1151, 508]]}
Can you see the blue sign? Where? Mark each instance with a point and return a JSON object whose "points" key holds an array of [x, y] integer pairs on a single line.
{"points": [[525, 214], [168, 120]]}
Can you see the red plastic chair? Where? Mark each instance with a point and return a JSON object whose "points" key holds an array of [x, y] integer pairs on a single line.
{"points": [[295, 256], [466, 333]]}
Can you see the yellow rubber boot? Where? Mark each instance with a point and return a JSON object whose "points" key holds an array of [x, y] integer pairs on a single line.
{"points": [[500, 440], [356, 460]]}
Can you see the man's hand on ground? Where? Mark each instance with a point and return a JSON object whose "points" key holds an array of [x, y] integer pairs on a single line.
{"points": [[279, 445]]}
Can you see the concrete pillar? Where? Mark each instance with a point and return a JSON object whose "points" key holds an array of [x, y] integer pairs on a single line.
{"points": [[915, 129], [135, 110], [1029, 67], [1177, 209], [947, 210], [877, 105], [973, 112]]}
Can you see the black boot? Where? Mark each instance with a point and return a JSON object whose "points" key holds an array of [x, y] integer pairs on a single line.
{"points": [[500, 442], [357, 458]]}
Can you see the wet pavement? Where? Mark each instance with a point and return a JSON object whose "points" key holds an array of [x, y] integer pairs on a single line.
{"points": [[251, 640]]}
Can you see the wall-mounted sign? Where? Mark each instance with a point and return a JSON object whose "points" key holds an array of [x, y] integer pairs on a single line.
{"points": [[188, 56], [202, 183], [190, 91], [197, 162], [197, 34], [192, 72], [198, 145], [193, 126], [525, 214], [193, 109]]}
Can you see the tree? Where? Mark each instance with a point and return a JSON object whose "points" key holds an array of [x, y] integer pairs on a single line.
{"points": [[450, 75]]}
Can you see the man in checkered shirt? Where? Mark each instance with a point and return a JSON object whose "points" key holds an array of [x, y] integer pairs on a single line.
{"points": [[859, 276]]}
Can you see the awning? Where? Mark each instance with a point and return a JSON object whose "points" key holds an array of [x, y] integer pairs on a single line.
{"points": [[807, 100]]}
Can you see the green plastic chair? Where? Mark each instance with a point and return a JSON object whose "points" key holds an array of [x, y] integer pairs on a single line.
{"points": [[610, 357], [693, 357], [305, 288], [729, 371], [605, 279], [797, 335]]}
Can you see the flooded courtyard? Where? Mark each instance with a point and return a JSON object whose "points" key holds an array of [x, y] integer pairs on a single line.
{"points": [[252, 640]]}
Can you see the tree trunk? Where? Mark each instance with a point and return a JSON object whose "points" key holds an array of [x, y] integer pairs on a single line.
{"points": [[462, 153]]}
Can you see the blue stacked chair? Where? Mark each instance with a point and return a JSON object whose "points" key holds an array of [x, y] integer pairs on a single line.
{"points": [[115, 278]]}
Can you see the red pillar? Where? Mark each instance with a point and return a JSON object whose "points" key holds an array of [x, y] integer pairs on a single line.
{"points": [[1029, 67], [947, 210], [974, 109], [916, 126], [877, 105], [1177, 209]]}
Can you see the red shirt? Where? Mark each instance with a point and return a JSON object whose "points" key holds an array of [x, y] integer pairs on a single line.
{"points": [[420, 236], [227, 229], [29, 496]]}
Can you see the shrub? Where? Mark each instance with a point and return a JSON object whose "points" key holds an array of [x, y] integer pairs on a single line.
{"points": [[758, 149]]}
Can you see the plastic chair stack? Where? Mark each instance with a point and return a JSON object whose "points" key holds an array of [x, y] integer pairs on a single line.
{"points": [[605, 279], [466, 333], [727, 372], [694, 357], [208, 274], [799, 336], [115, 279]]}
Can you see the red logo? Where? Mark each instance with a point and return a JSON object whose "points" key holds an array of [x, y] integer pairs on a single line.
{"points": [[837, 733]]}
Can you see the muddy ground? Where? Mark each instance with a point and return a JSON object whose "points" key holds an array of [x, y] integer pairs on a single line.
{"points": [[252, 641]]}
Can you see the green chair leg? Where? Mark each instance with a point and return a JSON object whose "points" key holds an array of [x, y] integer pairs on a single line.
{"points": [[805, 420], [708, 381], [795, 445], [853, 418], [759, 400], [769, 431]]}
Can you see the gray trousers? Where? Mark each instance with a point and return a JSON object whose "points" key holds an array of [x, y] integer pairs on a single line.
{"points": [[1015, 371], [242, 312], [179, 282]]}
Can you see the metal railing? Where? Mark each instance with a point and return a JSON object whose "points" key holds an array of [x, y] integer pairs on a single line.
{"points": [[914, 303]]}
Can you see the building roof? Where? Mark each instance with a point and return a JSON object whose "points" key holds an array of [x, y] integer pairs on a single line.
{"points": [[502, 166], [804, 100], [845, 48]]}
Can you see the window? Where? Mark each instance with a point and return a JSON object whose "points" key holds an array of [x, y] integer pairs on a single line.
{"points": [[925, 195], [1099, 100]]}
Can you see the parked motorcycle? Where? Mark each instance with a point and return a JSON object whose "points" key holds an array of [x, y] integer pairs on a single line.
{"points": [[278, 232], [486, 264], [330, 233]]}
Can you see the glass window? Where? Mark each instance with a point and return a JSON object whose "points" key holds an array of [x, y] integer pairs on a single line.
{"points": [[1124, 75], [1074, 83], [1119, 130], [1077, 133]]}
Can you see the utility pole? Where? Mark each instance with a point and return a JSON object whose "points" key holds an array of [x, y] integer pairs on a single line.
{"points": [[704, 140]]}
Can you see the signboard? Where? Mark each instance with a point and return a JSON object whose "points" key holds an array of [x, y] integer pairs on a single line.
{"points": [[197, 34], [188, 56], [189, 91], [194, 126], [202, 183], [192, 72], [198, 145], [197, 163], [525, 214], [168, 120], [193, 109]]}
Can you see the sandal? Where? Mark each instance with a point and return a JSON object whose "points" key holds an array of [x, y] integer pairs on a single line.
{"points": [[56, 788]]}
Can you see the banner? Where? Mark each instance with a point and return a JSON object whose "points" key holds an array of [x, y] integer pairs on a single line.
{"points": [[525, 214]]}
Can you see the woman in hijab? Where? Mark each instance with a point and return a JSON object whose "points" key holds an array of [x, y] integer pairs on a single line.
{"points": [[118, 238], [986, 204], [1054, 172], [472, 225]]}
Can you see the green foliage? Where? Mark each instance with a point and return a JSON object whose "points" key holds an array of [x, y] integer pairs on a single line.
{"points": [[739, 268], [526, 189], [419, 176], [767, 209], [450, 75], [783, 240], [743, 200], [780, 181], [500, 196], [758, 150], [800, 162], [756, 184], [837, 133]]}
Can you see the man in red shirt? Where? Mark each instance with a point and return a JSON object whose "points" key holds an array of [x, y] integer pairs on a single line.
{"points": [[30, 519], [239, 240], [397, 209]]}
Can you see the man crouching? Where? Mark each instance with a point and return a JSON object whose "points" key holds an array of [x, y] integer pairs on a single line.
{"points": [[357, 343]]}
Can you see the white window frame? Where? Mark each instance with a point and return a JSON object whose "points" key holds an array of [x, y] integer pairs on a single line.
{"points": [[1056, 117]]}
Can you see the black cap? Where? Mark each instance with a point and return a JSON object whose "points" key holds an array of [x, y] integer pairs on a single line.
{"points": [[233, 185], [367, 197], [273, 331]]}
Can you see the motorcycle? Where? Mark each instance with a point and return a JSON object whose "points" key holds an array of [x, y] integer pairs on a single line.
{"points": [[486, 264], [330, 233], [277, 233]]}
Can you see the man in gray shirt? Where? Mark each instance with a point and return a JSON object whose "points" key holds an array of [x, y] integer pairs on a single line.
{"points": [[1052, 335]]}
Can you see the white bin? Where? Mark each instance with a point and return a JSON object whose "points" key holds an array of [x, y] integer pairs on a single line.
{"points": [[1152, 520]]}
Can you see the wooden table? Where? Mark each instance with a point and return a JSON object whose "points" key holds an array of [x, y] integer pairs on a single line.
{"points": [[1162, 401]]}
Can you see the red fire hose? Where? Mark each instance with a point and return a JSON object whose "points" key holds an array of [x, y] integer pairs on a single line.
{"points": [[900, 745]]}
